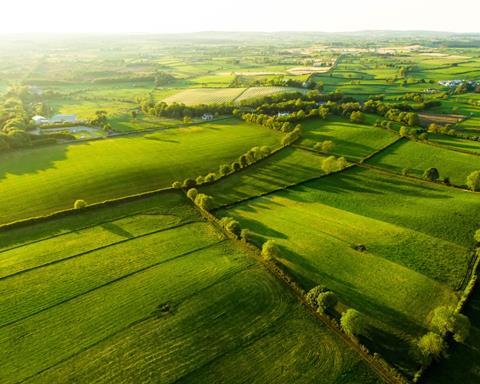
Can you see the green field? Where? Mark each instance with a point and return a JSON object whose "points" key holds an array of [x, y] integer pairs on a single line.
{"points": [[288, 167], [205, 96], [416, 157], [152, 292], [112, 168], [417, 240], [456, 143], [351, 140]]}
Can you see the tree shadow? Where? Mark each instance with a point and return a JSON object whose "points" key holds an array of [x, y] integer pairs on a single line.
{"points": [[114, 228]]}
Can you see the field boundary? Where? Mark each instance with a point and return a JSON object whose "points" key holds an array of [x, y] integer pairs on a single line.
{"points": [[381, 367]]}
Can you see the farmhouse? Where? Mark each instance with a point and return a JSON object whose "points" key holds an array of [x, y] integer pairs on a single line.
{"points": [[207, 116], [280, 114]]}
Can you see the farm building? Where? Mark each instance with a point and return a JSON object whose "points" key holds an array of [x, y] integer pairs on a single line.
{"points": [[207, 116]]}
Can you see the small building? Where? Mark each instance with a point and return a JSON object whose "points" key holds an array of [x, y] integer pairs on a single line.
{"points": [[207, 116], [39, 120], [280, 114]]}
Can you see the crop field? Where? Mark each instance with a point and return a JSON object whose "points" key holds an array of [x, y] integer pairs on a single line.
{"points": [[285, 168], [205, 96], [351, 140], [111, 168], [179, 301], [319, 224], [416, 157], [257, 92]]}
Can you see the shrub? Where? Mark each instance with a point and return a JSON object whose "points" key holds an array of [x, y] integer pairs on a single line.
{"points": [[269, 250], [177, 185], [204, 201], [431, 346], [224, 169], [210, 177], [79, 204], [192, 193], [352, 322], [431, 174], [326, 301], [189, 183], [473, 181], [312, 295], [246, 235]]}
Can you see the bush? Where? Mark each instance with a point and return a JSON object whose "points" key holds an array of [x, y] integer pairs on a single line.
{"points": [[79, 204], [210, 177], [352, 322], [204, 201], [177, 185], [189, 183], [269, 250], [326, 301], [246, 235], [473, 181], [431, 346], [192, 193], [431, 174], [312, 295]]}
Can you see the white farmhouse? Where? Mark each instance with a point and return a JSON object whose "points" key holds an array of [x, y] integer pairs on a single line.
{"points": [[207, 116]]}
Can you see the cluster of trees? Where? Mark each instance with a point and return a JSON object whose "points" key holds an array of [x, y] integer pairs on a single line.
{"points": [[333, 164], [445, 320], [291, 137], [321, 298], [324, 146], [180, 110], [272, 122], [253, 155], [278, 81]]}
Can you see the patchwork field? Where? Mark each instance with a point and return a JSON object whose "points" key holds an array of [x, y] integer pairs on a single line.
{"points": [[149, 292], [320, 224], [106, 169], [416, 157], [351, 140]]}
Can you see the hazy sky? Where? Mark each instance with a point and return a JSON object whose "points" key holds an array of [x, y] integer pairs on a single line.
{"points": [[240, 15]]}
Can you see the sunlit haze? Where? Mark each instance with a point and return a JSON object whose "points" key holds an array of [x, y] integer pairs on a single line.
{"points": [[150, 16]]}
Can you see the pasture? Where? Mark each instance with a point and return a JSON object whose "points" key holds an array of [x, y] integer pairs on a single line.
{"points": [[179, 302], [285, 168], [416, 157], [112, 168], [417, 240], [354, 141]]}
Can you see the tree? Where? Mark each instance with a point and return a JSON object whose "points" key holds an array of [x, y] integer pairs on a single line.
{"points": [[476, 236], [200, 180], [356, 117], [210, 177], [431, 174], [192, 193], [246, 235], [352, 322], [204, 201], [176, 185], [326, 301], [329, 164], [445, 319], [313, 294], [231, 225], [187, 119], [473, 181], [403, 131], [79, 204], [236, 166], [431, 346], [224, 169], [269, 250], [189, 183], [327, 146]]}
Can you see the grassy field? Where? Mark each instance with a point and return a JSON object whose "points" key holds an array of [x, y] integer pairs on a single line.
{"points": [[417, 157], [288, 167], [354, 141], [456, 143], [111, 168], [153, 294], [412, 262], [258, 92]]}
